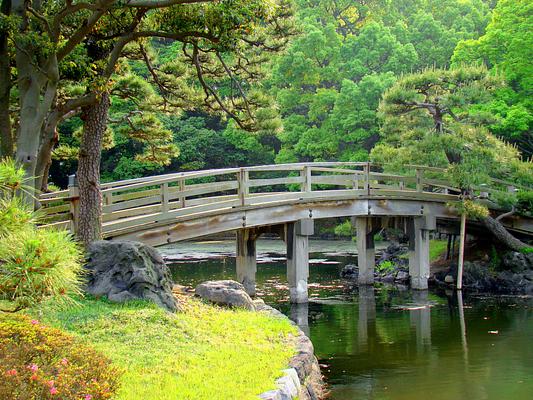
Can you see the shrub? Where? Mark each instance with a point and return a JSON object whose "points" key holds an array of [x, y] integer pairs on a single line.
{"points": [[525, 202], [38, 362], [34, 263], [345, 229], [386, 266]]}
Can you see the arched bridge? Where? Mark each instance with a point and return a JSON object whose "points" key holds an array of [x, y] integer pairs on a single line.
{"points": [[282, 198]]}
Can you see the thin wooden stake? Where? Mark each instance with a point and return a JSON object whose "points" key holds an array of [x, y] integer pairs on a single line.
{"points": [[461, 252]]}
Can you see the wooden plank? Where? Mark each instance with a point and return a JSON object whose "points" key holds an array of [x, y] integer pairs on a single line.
{"points": [[65, 207], [132, 204], [181, 184], [215, 187], [419, 177], [388, 177], [134, 195], [338, 170], [54, 195], [131, 212], [306, 176], [338, 180], [61, 225], [164, 197], [56, 218], [172, 214], [276, 181], [299, 166]]}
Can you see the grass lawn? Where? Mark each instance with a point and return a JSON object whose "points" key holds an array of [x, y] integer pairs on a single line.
{"points": [[436, 249], [204, 352]]}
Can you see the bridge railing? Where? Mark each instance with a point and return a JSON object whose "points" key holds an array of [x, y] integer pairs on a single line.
{"points": [[129, 204]]}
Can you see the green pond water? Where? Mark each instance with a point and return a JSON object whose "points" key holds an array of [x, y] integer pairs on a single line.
{"points": [[387, 342]]}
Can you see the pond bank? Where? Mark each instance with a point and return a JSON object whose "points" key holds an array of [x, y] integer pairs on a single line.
{"points": [[302, 379], [388, 341]]}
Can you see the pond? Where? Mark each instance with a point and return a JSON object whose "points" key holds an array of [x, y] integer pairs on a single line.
{"points": [[386, 342]]}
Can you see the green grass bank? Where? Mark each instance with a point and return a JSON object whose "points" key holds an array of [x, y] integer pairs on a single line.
{"points": [[205, 352]]}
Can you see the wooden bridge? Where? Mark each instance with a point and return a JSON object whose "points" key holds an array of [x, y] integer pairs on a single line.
{"points": [[283, 199]]}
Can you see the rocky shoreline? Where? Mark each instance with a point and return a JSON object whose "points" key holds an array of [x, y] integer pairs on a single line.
{"points": [[302, 379], [511, 274]]}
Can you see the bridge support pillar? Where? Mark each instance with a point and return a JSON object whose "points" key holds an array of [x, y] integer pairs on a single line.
{"points": [[246, 259], [366, 254], [297, 239], [418, 231]]}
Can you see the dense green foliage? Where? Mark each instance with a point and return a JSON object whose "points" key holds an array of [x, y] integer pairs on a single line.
{"points": [[38, 362], [204, 352], [319, 100], [34, 263], [507, 47], [427, 119]]}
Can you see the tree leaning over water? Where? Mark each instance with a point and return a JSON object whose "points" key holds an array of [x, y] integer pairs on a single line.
{"points": [[427, 119]]}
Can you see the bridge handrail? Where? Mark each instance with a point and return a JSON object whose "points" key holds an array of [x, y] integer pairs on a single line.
{"points": [[142, 200]]}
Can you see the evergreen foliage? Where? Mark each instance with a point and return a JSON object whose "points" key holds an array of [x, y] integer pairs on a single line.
{"points": [[34, 263]]}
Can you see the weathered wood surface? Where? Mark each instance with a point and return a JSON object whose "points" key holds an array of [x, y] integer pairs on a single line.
{"points": [[184, 205]]}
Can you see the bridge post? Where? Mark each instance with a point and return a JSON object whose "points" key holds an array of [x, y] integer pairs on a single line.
{"points": [[366, 254], [298, 258], [418, 230], [246, 259]]}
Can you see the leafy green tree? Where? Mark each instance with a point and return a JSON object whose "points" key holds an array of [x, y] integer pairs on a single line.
{"points": [[65, 54], [427, 120], [329, 83], [507, 47]]}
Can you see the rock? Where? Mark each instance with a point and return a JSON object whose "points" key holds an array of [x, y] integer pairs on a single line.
{"points": [[402, 276], [389, 278], [517, 262], [124, 270], [225, 293], [528, 275], [449, 279], [350, 271]]}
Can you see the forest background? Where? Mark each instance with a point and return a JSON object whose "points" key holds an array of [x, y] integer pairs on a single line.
{"points": [[324, 90]]}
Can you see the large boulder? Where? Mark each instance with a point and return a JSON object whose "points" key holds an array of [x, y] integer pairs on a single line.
{"points": [[124, 270], [225, 293]]}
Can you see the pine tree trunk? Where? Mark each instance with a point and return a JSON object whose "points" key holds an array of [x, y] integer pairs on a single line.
{"points": [[90, 213], [499, 231]]}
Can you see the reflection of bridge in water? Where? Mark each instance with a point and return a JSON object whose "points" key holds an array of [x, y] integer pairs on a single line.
{"points": [[281, 199], [419, 308]]}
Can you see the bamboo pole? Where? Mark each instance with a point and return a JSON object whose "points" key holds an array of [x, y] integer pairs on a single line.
{"points": [[461, 252]]}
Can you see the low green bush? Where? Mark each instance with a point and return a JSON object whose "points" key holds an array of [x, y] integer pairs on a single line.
{"points": [[386, 266], [345, 229], [39, 362], [34, 263]]}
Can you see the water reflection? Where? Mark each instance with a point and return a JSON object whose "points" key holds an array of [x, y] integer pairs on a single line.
{"points": [[420, 318], [299, 313], [388, 343], [367, 314]]}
